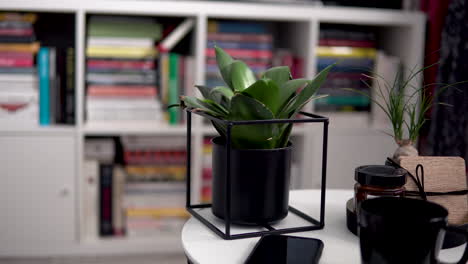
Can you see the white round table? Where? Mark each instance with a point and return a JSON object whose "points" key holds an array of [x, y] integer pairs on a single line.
{"points": [[203, 246]]}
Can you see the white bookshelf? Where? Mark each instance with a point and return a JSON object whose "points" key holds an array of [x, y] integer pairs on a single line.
{"points": [[353, 141]]}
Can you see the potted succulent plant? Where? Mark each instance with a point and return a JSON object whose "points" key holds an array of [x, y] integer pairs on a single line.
{"points": [[261, 153]]}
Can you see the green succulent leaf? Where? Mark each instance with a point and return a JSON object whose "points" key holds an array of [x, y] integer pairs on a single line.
{"points": [[222, 95], [241, 76], [224, 62], [204, 90], [262, 136], [267, 92], [299, 100], [285, 131], [279, 75], [205, 105], [223, 91], [220, 127], [289, 88]]}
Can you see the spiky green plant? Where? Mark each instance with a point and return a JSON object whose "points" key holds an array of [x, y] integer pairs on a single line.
{"points": [[274, 96], [406, 112]]}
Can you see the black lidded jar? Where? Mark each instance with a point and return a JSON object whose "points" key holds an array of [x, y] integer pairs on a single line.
{"points": [[378, 181]]}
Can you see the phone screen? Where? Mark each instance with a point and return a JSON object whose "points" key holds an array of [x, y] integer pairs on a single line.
{"points": [[286, 249]]}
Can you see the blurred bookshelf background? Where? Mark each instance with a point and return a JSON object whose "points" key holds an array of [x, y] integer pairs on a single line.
{"points": [[89, 85]]}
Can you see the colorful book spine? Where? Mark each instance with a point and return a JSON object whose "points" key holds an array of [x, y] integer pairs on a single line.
{"points": [[10, 47], [16, 62], [118, 213], [44, 86], [236, 37], [126, 91], [70, 87], [240, 45], [346, 52], [106, 227], [120, 64], [173, 92], [236, 27], [120, 52], [356, 100], [124, 29], [347, 43], [240, 53], [17, 39]]}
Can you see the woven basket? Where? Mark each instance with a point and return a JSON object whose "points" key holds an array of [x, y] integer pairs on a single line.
{"points": [[442, 174]]}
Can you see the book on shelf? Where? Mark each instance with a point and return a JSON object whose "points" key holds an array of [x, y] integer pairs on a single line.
{"points": [[128, 78], [175, 78], [354, 52], [119, 42], [207, 172], [251, 42], [42, 75], [121, 52], [106, 172], [345, 52], [174, 90], [20, 47], [124, 27], [237, 27], [240, 45], [243, 53], [240, 37], [43, 61], [119, 64], [154, 192], [19, 97], [118, 213]]}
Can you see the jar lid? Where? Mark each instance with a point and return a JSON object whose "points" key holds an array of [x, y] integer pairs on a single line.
{"points": [[380, 175]]}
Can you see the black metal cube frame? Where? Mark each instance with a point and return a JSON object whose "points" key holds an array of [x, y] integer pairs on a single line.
{"points": [[315, 224]]}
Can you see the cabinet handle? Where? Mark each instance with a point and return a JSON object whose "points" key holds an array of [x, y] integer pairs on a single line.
{"points": [[64, 192]]}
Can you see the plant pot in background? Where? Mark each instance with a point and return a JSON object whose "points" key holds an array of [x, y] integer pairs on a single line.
{"points": [[405, 148], [259, 183]]}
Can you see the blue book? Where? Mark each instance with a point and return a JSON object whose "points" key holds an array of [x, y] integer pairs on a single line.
{"points": [[44, 86], [240, 45], [241, 27]]}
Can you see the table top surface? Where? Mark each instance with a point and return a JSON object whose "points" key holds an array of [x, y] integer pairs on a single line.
{"points": [[201, 245]]}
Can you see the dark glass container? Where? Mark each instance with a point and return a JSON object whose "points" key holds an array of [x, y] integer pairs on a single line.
{"points": [[378, 181]]}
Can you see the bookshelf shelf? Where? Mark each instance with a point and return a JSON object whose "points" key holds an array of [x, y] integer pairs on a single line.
{"points": [[400, 33], [36, 129]]}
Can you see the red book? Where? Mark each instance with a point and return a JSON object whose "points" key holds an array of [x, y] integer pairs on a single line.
{"points": [[114, 90], [16, 62], [262, 38], [297, 68], [121, 64], [241, 53], [16, 31], [253, 64], [347, 43]]}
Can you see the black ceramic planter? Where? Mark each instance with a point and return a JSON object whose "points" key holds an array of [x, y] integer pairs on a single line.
{"points": [[259, 183]]}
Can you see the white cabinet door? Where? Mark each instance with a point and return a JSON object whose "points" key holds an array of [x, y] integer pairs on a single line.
{"points": [[37, 198]]}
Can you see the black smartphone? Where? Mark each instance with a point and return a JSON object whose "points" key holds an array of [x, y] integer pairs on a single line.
{"points": [[279, 249]]}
